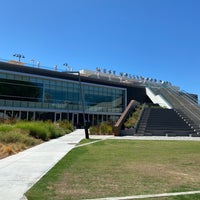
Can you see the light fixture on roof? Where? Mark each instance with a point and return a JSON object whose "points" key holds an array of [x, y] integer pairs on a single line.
{"points": [[19, 56], [38, 64], [98, 69], [67, 67], [32, 60], [98, 72], [109, 72], [114, 72], [104, 71], [126, 75], [121, 75], [55, 67]]}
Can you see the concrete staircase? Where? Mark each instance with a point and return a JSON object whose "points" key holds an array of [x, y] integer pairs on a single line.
{"points": [[162, 122]]}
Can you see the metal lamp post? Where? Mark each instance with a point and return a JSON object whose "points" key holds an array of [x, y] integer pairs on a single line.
{"points": [[19, 56], [86, 125], [67, 67], [32, 60]]}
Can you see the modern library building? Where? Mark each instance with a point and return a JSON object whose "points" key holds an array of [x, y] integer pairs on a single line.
{"points": [[36, 93], [33, 93]]}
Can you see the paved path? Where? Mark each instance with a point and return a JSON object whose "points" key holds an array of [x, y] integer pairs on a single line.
{"points": [[19, 172]]}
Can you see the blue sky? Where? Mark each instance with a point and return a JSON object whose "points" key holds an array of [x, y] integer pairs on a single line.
{"points": [[151, 38]]}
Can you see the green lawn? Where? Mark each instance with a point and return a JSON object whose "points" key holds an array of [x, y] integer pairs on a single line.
{"points": [[112, 168]]}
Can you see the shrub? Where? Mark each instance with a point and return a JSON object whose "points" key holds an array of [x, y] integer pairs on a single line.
{"points": [[5, 127], [17, 136], [45, 130], [131, 121], [10, 137], [39, 132], [67, 125], [10, 120], [94, 130], [54, 130], [36, 129], [104, 128], [8, 150]]}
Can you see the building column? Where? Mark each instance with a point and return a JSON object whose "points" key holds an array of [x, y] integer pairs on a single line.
{"points": [[77, 119], [72, 119], [4, 114], [34, 115], [20, 115], [92, 119], [54, 117]]}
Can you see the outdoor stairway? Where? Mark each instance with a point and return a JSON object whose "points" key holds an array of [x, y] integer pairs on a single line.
{"points": [[184, 104], [141, 126], [162, 122]]}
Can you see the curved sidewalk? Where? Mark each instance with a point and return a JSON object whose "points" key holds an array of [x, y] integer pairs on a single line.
{"points": [[19, 172]]}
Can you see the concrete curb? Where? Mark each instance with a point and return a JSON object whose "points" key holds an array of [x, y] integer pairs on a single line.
{"points": [[149, 196]]}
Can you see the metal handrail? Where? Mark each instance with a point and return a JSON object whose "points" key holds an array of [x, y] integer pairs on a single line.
{"points": [[194, 114], [193, 99]]}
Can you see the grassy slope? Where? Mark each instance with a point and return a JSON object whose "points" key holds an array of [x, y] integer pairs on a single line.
{"points": [[122, 168], [18, 136]]}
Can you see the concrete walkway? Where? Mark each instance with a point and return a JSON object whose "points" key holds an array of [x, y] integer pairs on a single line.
{"points": [[19, 172]]}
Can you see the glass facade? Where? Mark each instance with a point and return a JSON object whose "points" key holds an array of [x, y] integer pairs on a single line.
{"points": [[38, 92]]}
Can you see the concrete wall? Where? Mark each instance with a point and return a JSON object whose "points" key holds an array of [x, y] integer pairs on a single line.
{"points": [[157, 99]]}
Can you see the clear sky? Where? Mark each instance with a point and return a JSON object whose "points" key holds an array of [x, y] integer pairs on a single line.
{"points": [[151, 38]]}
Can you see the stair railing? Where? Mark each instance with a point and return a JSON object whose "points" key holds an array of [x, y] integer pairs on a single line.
{"points": [[190, 109]]}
